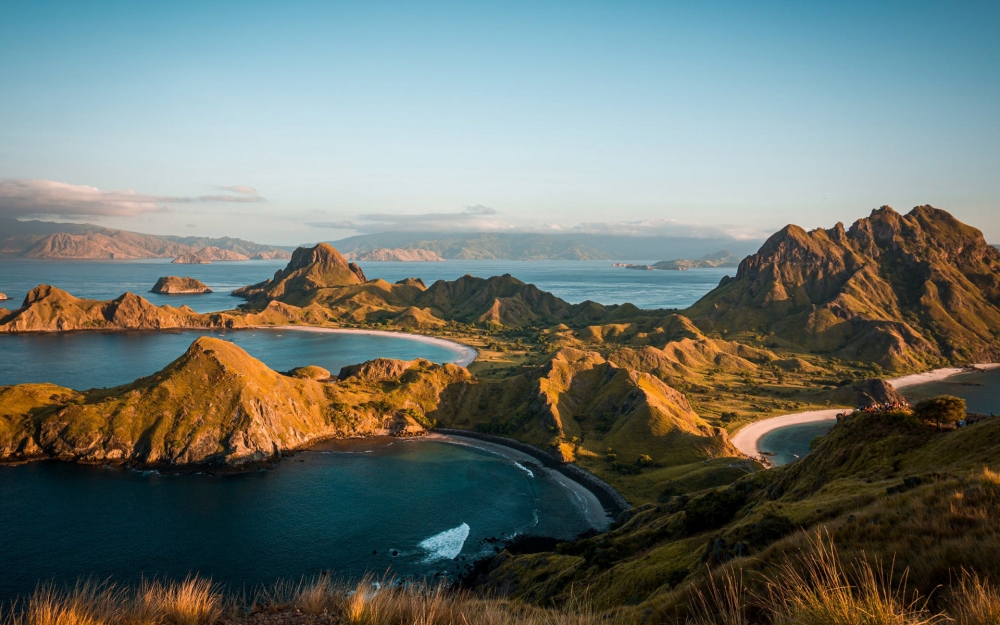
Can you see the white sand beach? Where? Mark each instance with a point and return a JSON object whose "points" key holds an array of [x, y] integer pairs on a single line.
{"points": [[938, 374], [466, 354], [747, 439]]}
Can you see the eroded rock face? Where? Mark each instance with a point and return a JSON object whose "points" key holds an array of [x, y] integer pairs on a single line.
{"points": [[172, 285], [905, 291]]}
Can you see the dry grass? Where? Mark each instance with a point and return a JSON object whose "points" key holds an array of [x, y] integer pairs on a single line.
{"points": [[973, 601]]}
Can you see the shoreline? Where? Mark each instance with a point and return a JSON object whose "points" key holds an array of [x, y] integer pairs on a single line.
{"points": [[467, 355], [601, 503], [747, 439]]}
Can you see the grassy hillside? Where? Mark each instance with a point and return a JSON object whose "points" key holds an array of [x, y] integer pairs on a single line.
{"points": [[883, 487]]}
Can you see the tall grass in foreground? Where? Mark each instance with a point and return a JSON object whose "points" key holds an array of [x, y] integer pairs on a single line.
{"points": [[814, 589], [817, 589], [369, 602]]}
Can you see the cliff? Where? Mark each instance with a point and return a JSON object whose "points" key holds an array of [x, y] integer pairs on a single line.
{"points": [[170, 285], [904, 291], [215, 405], [396, 254]]}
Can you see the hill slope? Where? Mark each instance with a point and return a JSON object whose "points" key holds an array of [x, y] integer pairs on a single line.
{"points": [[904, 291], [213, 405]]}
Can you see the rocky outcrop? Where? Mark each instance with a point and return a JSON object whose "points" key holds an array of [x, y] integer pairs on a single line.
{"points": [[904, 291], [173, 285], [309, 270], [396, 254], [3, 296], [869, 394], [206, 255], [215, 405]]}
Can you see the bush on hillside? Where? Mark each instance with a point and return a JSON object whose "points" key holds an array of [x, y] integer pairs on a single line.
{"points": [[944, 409]]}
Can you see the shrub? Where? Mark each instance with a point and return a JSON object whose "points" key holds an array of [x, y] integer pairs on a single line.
{"points": [[944, 409]]}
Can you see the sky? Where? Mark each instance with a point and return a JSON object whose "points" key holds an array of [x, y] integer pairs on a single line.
{"points": [[290, 122]]}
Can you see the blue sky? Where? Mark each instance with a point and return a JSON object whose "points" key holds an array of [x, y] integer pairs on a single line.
{"points": [[625, 116]]}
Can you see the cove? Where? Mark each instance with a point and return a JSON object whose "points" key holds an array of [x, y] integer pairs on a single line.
{"points": [[92, 359], [415, 507]]}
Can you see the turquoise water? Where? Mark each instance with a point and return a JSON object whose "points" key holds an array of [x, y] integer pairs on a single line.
{"points": [[415, 507], [574, 281], [790, 443], [83, 360]]}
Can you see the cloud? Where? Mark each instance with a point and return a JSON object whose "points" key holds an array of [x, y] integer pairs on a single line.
{"points": [[473, 219], [662, 228], [336, 225], [240, 189], [35, 198]]}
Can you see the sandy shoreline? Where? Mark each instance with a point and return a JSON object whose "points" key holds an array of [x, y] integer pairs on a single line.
{"points": [[465, 353], [939, 374], [747, 439], [592, 508]]}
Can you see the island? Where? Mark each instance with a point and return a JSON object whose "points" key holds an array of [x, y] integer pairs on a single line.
{"points": [[396, 254], [719, 259], [3, 296], [174, 285]]}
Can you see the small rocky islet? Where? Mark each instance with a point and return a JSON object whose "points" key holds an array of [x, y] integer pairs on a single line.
{"points": [[175, 285]]}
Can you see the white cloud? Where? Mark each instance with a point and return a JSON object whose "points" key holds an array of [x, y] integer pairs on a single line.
{"points": [[35, 198]]}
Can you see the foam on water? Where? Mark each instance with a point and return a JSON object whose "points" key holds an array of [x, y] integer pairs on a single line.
{"points": [[446, 545], [524, 468]]}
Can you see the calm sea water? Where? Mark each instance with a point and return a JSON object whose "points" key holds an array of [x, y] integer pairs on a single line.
{"points": [[83, 360], [790, 443], [980, 390], [415, 507], [574, 281]]}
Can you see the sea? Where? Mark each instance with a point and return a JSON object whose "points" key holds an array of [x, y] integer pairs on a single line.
{"points": [[573, 281]]}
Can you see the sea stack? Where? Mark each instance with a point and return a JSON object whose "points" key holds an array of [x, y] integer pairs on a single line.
{"points": [[173, 285]]}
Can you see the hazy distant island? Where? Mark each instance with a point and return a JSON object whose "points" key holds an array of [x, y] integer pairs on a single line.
{"points": [[53, 240], [174, 285], [397, 254], [719, 259]]}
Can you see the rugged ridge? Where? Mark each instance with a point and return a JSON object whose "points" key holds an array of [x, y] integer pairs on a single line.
{"points": [[904, 291]]}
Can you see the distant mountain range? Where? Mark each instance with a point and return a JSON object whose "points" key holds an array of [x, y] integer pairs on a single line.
{"points": [[533, 246], [41, 239]]}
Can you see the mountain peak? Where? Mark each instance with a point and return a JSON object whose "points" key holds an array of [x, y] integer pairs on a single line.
{"points": [[310, 269]]}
